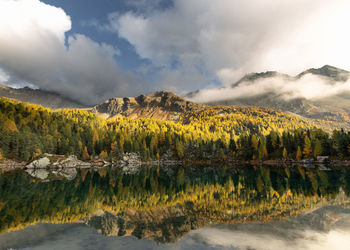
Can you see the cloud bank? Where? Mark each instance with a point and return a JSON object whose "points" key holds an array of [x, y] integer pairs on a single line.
{"points": [[307, 240], [35, 48], [309, 86], [229, 38]]}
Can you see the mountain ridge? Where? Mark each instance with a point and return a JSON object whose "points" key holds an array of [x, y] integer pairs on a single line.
{"points": [[333, 108], [163, 105], [41, 97]]}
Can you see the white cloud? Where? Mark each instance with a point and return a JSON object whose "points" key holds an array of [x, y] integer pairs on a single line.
{"points": [[309, 86], [308, 240], [33, 48], [4, 77], [233, 37]]}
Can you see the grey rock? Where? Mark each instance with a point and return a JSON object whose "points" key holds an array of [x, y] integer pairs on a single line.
{"points": [[40, 163]]}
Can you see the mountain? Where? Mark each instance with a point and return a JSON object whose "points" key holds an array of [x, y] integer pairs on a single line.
{"points": [[41, 97], [162, 105], [335, 107], [333, 73]]}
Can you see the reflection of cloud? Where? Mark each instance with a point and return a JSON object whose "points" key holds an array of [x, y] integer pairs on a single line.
{"points": [[309, 86], [308, 240]]}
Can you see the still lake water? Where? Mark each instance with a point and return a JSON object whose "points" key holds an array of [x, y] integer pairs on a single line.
{"points": [[247, 207]]}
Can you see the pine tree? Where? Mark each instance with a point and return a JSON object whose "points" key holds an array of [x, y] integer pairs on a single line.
{"points": [[103, 155], [307, 151], [254, 142], [179, 149], [222, 155], [37, 152], [262, 151], [86, 155], [298, 155], [284, 153], [317, 148]]}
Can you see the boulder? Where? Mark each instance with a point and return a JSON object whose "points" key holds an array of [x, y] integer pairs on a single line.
{"points": [[40, 163], [72, 162]]}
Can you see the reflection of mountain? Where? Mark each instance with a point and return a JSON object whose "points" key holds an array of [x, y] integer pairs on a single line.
{"points": [[164, 204], [288, 234], [164, 225]]}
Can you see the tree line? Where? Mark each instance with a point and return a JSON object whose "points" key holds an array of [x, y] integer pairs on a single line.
{"points": [[220, 133]]}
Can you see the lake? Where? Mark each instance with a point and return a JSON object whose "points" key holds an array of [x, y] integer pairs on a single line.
{"points": [[162, 207]]}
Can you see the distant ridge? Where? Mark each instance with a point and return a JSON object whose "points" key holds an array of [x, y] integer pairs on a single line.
{"points": [[334, 108], [41, 97], [331, 72]]}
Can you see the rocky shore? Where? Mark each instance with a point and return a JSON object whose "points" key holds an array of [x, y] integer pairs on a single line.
{"points": [[131, 162]]}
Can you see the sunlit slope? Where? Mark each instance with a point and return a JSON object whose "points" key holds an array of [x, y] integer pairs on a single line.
{"points": [[27, 128]]}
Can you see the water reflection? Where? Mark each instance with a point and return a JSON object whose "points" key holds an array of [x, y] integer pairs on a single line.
{"points": [[164, 204]]}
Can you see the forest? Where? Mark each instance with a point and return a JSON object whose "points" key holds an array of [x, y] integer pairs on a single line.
{"points": [[216, 133]]}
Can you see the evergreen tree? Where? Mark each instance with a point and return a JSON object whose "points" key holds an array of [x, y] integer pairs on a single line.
{"points": [[317, 148], [307, 151], [284, 153], [298, 155], [86, 155]]}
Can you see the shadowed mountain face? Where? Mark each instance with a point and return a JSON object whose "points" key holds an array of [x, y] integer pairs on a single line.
{"points": [[41, 97], [332, 107]]}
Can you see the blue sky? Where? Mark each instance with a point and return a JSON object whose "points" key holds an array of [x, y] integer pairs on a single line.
{"points": [[86, 14], [93, 50]]}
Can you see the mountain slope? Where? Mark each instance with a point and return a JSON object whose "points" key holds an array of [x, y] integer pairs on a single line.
{"points": [[162, 105], [332, 107], [41, 97]]}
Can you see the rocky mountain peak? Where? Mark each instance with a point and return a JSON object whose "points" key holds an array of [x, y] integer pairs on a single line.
{"points": [[262, 75], [328, 71], [161, 105]]}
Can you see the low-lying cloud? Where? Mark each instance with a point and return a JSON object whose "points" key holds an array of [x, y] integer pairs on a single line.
{"points": [[309, 86], [307, 240], [35, 48]]}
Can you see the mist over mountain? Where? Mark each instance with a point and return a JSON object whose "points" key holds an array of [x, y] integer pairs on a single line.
{"points": [[319, 93]]}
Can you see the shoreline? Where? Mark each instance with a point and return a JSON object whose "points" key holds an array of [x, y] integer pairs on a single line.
{"points": [[8, 164]]}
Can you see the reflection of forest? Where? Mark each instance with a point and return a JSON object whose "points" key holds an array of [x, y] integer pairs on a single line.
{"points": [[216, 194]]}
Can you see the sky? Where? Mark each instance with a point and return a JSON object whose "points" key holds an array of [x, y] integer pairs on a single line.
{"points": [[93, 50]]}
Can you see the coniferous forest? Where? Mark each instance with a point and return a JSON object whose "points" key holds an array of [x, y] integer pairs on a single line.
{"points": [[216, 133]]}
